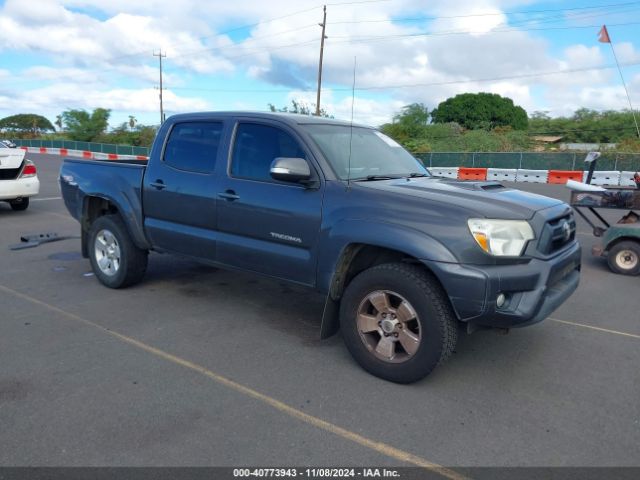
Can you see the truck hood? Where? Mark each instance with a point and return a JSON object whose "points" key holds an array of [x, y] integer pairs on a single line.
{"points": [[487, 199]]}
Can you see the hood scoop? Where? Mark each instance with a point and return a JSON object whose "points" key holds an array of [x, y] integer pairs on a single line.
{"points": [[480, 186]]}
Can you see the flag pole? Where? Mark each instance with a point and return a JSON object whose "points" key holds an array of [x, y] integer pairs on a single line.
{"points": [[624, 84]]}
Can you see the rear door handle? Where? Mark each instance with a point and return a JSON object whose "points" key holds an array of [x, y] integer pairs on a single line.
{"points": [[229, 195], [158, 185]]}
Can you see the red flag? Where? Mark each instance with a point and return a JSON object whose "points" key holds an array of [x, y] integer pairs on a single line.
{"points": [[603, 35]]}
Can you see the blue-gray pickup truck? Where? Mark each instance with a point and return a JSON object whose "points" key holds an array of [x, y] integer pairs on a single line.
{"points": [[404, 258]]}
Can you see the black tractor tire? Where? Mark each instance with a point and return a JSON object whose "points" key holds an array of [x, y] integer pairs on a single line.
{"points": [[624, 257]]}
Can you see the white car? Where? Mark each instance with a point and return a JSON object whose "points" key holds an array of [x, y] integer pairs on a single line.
{"points": [[18, 178]]}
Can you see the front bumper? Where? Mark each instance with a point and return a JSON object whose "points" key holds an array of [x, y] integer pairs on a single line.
{"points": [[533, 290], [19, 188]]}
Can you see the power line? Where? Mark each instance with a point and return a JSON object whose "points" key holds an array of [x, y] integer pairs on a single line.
{"points": [[252, 25], [242, 45], [367, 39], [418, 19], [374, 39], [378, 1], [415, 85], [494, 79]]}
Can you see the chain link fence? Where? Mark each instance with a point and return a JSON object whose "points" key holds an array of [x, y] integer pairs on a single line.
{"points": [[530, 160], [88, 146], [629, 162]]}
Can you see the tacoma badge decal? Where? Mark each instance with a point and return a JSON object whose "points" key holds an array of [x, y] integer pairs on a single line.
{"points": [[289, 238]]}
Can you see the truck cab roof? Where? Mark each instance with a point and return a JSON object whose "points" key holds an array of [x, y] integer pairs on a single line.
{"points": [[290, 118]]}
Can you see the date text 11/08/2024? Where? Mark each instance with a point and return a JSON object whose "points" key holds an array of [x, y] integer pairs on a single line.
{"points": [[316, 472]]}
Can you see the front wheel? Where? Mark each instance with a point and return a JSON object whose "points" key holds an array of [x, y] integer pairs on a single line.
{"points": [[397, 322], [115, 259], [624, 258]]}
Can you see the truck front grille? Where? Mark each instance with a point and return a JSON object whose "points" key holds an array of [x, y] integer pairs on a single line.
{"points": [[557, 233]]}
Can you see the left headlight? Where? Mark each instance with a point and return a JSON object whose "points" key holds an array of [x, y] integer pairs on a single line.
{"points": [[501, 237]]}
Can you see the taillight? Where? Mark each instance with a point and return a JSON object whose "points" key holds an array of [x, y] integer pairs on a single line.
{"points": [[29, 169]]}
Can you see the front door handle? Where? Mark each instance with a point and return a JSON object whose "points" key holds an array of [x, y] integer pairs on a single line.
{"points": [[229, 195], [158, 184]]}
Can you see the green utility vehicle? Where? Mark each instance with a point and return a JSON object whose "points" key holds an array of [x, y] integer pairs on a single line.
{"points": [[620, 243]]}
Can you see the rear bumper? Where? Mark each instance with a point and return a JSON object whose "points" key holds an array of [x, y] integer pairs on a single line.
{"points": [[532, 290], [19, 188]]}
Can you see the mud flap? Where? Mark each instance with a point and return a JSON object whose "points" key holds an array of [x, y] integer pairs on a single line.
{"points": [[330, 318]]}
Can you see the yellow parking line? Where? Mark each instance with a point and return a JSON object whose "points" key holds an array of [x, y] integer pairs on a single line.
{"points": [[599, 329], [379, 447]]}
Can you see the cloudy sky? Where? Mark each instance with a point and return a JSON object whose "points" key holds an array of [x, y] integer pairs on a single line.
{"points": [[244, 54]]}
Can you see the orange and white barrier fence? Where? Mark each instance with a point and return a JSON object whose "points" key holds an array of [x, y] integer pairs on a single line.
{"points": [[64, 152], [461, 173]]}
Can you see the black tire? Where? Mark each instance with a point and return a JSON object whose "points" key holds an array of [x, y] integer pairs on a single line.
{"points": [[624, 258], [132, 261], [436, 322], [21, 204]]}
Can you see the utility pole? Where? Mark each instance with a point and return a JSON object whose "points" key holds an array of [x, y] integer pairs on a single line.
{"points": [[160, 56], [323, 25]]}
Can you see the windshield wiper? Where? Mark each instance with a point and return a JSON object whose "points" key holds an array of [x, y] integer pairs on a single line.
{"points": [[372, 178], [415, 175]]}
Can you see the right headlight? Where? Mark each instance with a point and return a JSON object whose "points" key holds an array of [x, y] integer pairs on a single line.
{"points": [[501, 237]]}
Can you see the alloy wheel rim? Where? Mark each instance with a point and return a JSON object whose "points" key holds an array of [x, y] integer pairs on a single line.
{"points": [[389, 326], [107, 253]]}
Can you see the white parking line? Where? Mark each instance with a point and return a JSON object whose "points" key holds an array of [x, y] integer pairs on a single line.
{"points": [[46, 199]]}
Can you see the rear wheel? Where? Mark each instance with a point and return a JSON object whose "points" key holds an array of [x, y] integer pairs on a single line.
{"points": [[397, 322], [20, 203], [624, 257], [115, 259]]}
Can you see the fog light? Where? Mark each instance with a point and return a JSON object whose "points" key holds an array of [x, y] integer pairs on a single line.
{"points": [[500, 301]]}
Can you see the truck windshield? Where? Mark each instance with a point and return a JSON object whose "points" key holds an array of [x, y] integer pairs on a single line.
{"points": [[373, 155]]}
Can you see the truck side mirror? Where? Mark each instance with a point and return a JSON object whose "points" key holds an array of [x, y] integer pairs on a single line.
{"points": [[288, 169]]}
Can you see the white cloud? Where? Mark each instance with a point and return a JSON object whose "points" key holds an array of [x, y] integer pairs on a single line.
{"points": [[51, 100], [104, 50], [627, 53]]}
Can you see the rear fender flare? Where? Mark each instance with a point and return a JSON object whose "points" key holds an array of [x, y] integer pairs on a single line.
{"points": [[126, 208]]}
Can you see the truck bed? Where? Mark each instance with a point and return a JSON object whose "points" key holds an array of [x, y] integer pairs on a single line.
{"points": [[118, 181]]}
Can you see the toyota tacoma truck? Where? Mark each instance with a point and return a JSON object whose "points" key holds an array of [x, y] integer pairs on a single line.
{"points": [[403, 258]]}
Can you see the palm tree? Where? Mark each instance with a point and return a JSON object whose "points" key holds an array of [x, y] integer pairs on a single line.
{"points": [[58, 122], [132, 121]]}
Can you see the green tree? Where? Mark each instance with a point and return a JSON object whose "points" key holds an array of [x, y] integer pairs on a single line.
{"points": [[414, 115], [85, 127], [58, 122], [132, 121], [483, 111], [301, 108], [26, 123], [587, 126]]}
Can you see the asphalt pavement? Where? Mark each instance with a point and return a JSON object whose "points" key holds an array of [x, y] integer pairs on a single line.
{"points": [[202, 367]]}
